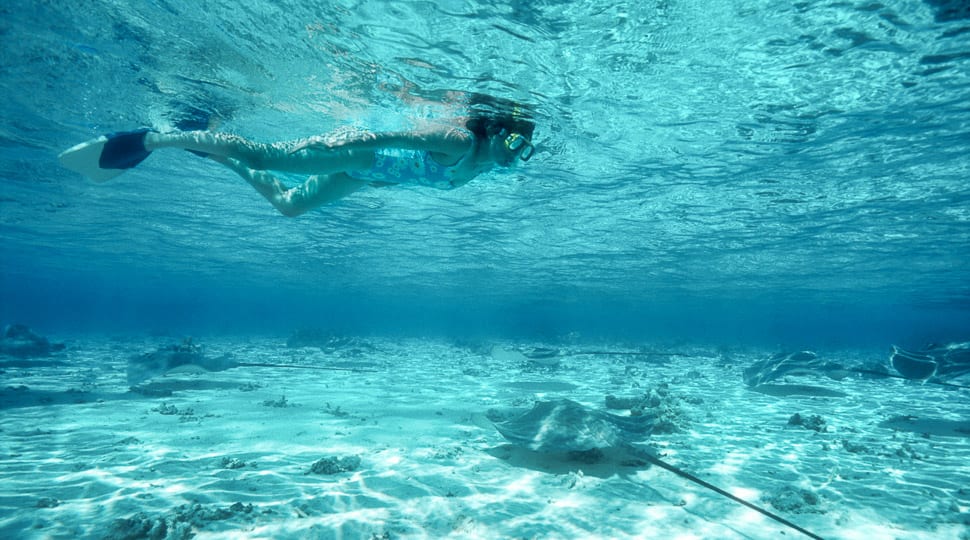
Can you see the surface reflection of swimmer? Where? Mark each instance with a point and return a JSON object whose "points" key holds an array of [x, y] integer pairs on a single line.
{"points": [[446, 156]]}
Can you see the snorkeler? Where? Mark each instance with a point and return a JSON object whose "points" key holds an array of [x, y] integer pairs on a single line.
{"points": [[442, 157]]}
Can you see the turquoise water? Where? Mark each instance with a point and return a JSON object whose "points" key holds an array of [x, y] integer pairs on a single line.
{"points": [[736, 168], [715, 183]]}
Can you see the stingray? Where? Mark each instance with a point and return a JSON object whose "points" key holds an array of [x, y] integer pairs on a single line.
{"points": [[934, 365], [19, 341], [564, 426], [792, 364], [936, 361], [189, 357]]}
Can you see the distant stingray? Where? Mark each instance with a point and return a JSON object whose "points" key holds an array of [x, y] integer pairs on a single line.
{"points": [[189, 356], [554, 428], [19, 341], [939, 362], [935, 364], [790, 364]]}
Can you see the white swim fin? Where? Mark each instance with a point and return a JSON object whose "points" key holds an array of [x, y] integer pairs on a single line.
{"points": [[107, 156]]}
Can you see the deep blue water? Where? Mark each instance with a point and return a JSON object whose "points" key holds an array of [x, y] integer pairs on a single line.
{"points": [[706, 171]]}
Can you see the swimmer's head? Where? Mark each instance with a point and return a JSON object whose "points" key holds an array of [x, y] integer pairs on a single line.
{"points": [[506, 147], [507, 126]]}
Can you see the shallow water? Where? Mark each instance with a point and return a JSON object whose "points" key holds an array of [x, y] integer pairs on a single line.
{"points": [[773, 165], [709, 177]]}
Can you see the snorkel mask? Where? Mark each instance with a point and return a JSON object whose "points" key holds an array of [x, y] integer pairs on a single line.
{"points": [[517, 143]]}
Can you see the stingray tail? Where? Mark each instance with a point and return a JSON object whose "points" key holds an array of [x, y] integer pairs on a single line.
{"points": [[688, 476]]}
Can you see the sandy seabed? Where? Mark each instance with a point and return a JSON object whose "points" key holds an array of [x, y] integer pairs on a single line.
{"points": [[405, 448]]}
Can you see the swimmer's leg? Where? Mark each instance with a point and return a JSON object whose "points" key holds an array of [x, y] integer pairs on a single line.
{"points": [[208, 143], [290, 157], [316, 191]]}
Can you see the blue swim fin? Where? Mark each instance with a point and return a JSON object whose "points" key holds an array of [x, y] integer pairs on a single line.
{"points": [[107, 156]]}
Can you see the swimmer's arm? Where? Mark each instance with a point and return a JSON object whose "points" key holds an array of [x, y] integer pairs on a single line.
{"points": [[449, 141]]}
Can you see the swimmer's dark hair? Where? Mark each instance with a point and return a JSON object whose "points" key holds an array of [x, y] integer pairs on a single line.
{"points": [[490, 115]]}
